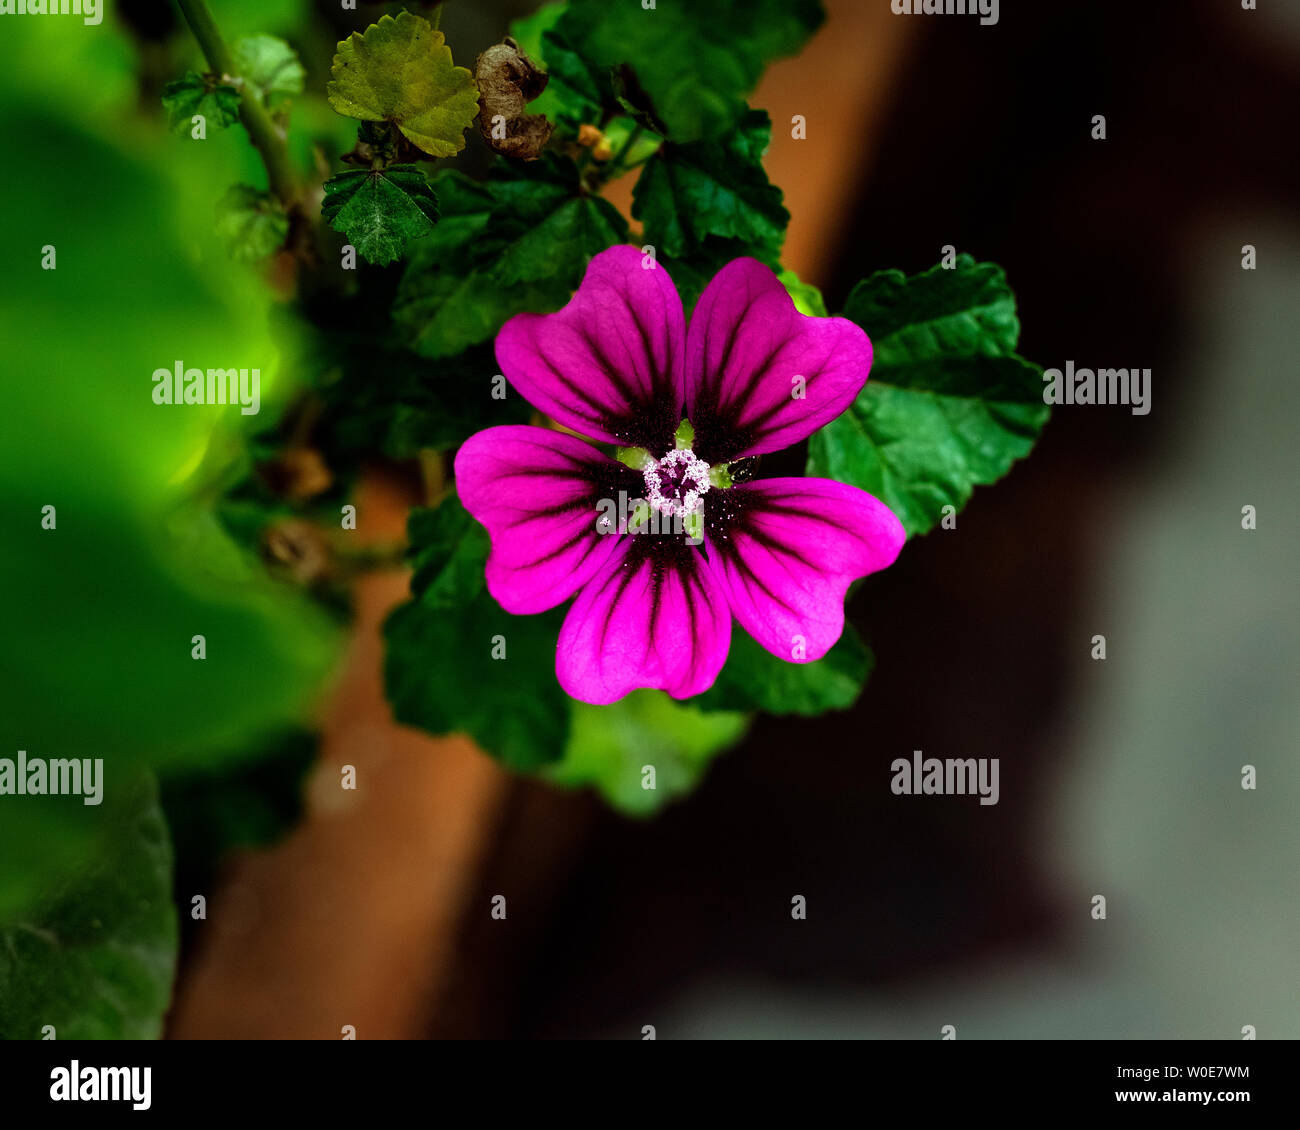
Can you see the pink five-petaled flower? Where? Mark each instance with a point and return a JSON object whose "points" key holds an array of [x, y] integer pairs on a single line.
{"points": [[751, 375]]}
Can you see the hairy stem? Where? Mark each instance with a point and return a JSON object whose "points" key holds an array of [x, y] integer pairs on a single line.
{"points": [[262, 132]]}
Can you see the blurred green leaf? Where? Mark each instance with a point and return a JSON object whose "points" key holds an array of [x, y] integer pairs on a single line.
{"points": [[755, 679], [251, 224], [104, 606], [241, 18], [95, 956], [270, 67], [456, 662], [633, 100], [949, 405], [98, 640], [215, 101], [518, 241], [381, 211], [213, 812], [448, 549], [400, 71], [612, 746], [574, 92], [807, 298], [527, 31], [376, 395]]}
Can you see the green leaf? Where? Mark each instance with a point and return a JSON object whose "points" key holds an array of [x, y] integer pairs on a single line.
{"points": [[377, 395], [448, 549], [688, 193], [251, 224], [381, 211], [695, 60], [95, 956], [755, 679], [211, 813], [692, 274], [97, 651], [610, 746], [807, 298], [270, 67], [400, 71], [577, 91], [618, 133], [527, 31], [634, 101], [949, 404], [217, 102], [574, 93], [385, 398], [518, 241], [455, 662]]}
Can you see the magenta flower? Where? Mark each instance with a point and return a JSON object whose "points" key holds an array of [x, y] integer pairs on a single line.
{"points": [[660, 547]]}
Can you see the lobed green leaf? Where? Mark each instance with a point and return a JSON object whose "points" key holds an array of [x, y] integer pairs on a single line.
{"points": [[949, 404], [401, 71], [381, 211], [519, 241]]}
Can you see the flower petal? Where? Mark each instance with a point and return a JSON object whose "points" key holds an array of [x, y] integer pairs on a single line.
{"points": [[610, 364], [786, 551], [745, 349], [537, 491], [652, 617]]}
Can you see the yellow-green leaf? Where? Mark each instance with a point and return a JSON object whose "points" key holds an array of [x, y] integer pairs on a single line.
{"points": [[400, 71]]}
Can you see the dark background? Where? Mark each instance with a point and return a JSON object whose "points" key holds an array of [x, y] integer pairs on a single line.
{"points": [[985, 145]]}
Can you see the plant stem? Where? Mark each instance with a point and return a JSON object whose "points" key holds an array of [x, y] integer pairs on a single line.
{"points": [[208, 35], [262, 132]]}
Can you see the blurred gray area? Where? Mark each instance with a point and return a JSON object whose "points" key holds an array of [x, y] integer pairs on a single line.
{"points": [[1201, 877]]}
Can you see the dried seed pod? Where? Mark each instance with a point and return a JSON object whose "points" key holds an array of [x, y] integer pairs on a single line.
{"points": [[299, 550], [507, 81]]}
